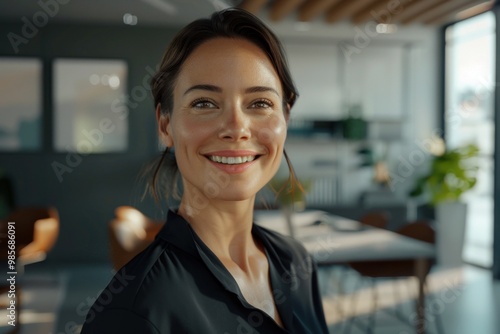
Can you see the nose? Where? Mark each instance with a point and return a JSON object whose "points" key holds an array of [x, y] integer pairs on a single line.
{"points": [[235, 125]]}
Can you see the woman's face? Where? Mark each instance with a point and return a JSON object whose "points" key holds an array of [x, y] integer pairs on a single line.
{"points": [[228, 126]]}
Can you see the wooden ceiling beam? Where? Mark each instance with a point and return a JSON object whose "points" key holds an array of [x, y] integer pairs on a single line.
{"points": [[253, 6], [430, 12], [312, 8], [443, 18], [476, 10], [416, 7], [437, 10], [282, 8], [346, 9], [383, 10]]}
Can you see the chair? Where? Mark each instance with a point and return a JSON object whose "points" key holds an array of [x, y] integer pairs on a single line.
{"points": [[130, 232], [35, 231], [378, 219], [420, 230]]}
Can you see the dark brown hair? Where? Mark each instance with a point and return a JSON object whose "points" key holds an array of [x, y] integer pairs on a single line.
{"points": [[228, 23]]}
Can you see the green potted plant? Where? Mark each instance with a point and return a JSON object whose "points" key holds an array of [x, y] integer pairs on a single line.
{"points": [[452, 173]]}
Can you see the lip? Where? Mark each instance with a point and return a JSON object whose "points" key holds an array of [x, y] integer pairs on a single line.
{"points": [[232, 169]]}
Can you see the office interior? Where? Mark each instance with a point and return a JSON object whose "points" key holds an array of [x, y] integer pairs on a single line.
{"points": [[387, 89]]}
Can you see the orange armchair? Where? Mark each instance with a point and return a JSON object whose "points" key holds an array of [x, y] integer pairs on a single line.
{"points": [[36, 232], [130, 232]]}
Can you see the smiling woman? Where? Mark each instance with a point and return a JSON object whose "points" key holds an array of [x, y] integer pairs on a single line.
{"points": [[223, 96]]}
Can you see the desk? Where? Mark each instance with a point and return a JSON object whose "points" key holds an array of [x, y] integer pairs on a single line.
{"points": [[332, 239]]}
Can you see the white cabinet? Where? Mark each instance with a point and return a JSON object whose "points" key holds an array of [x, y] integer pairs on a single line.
{"points": [[315, 70], [328, 82]]}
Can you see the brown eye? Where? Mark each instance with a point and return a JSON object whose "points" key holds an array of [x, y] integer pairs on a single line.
{"points": [[262, 104], [203, 104]]}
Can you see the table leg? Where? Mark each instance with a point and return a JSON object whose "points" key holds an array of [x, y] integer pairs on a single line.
{"points": [[421, 273]]}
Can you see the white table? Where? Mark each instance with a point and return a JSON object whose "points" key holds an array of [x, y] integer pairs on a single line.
{"points": [[332, 239], [340, 240]]}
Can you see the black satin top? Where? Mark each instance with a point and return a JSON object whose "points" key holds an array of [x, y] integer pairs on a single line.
{"points": [[178, 285]]}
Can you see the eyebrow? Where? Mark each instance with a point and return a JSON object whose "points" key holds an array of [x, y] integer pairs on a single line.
{"points": [[257, 89], [212, 88]]}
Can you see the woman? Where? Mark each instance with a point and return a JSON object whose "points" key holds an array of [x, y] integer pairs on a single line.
{"points": [[223, 96]]}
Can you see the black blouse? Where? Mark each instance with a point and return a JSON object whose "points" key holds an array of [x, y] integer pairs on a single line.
{"points": [[178, 285]]}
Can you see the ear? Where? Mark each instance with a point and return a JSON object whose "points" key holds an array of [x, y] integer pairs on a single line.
{"points": [[164, 127], [287, 113]]}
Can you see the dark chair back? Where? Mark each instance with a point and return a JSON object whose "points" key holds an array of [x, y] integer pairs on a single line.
{"points": [[379, 219]]}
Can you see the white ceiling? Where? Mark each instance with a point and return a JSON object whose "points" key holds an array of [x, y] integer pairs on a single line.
{"points": [[148, 12]]}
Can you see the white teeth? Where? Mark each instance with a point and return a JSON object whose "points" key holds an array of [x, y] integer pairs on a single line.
{"points": [[232, 160]]}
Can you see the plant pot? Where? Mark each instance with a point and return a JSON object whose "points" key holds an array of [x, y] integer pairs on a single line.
{"points": [[450, 233]]}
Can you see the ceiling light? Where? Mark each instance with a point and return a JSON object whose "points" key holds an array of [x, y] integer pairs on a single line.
{"points": [[383, 28], [129, 19], [114, 81], [105, 80], [94, 79]]}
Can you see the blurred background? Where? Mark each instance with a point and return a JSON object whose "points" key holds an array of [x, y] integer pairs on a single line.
{"points": [[396, 116]]}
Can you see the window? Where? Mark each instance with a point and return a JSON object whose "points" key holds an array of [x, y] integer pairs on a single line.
{"points": [[90, 113], [20, 104], [469, 106]]}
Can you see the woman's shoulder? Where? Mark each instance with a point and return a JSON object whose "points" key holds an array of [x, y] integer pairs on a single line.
{"points": [[162, 267], [155, 276], [149, 266]]}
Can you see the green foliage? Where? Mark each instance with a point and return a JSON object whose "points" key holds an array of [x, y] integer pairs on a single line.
{"points": [[451, 174]]}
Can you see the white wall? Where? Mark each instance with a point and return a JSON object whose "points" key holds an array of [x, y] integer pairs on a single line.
{"points": [[319, 57]]}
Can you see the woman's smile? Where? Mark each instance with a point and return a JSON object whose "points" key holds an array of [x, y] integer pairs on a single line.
{"points": [[233, 161]]}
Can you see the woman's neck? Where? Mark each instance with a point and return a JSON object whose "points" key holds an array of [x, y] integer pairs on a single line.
{"points": [[225, 227]]}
